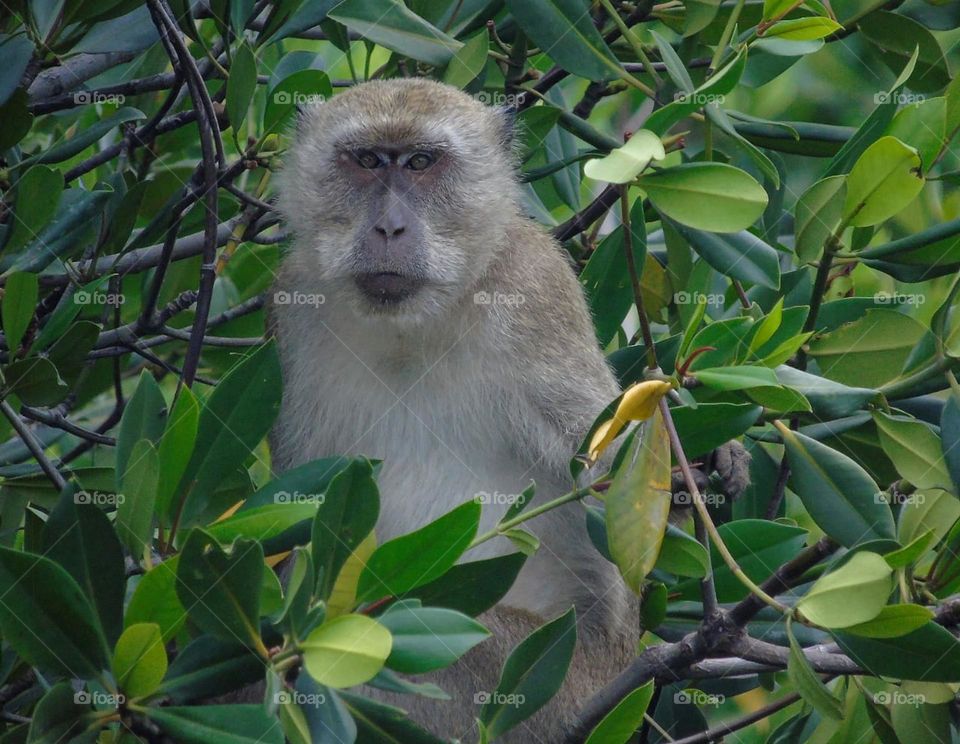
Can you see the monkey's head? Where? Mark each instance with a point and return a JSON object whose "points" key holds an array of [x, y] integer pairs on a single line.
{"points": [[400, 193]]}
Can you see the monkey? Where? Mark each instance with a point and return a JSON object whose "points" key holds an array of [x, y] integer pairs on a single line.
{"points": [[441, 330]]}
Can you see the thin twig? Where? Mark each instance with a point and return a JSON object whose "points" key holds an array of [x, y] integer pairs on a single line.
{"points": [[36, 449]]}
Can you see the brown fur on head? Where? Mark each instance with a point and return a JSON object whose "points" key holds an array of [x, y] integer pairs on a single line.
{"points": [[450, 219]]}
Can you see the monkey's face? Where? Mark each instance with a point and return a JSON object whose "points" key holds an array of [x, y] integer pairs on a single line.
{"points": [[402, 190]]}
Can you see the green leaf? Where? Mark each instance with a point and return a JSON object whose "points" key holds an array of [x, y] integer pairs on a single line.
{"points": [[428, 638], [155, 600], [852, 594], [210, 666], [777, 8], [390, 24], [35, 381], [348, 513], [298, 593], [638, 503], [898, 38], [893, 621], [756, 544], [928, 654], [915, 450], [473, 587], [808, 684], [79, 537], [714, 88], [619, 725], [884, 180], [221, 589], [935, 510], [839, 495], [922, 125], [61, 715], [870, 351], [766, 328], [709, 425], [223, 724], [682, 555], [19, 302], [626, 163], [16, 51], [139, 489], [818, 214], [59, 237], [606, 277], [912, 552], [564, 30], [306, 87], [38, 194], [46, 617], [140, 660], [177, 439], [706, 196], [346, 651], [377, 722], [234, 420], [803, 29], [263, 522], [741, 255], [144, 418], [331, 720], [241, 85], [415, 559], [82, 140], [532, 674], [469, 61], [737, 377]]}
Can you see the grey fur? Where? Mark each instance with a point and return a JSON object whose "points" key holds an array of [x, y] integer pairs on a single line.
{"points": [[485, 379]]}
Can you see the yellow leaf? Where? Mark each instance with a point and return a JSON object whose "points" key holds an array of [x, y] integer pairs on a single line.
{"points": [[344, 593], [638, 504], [638, 404]]}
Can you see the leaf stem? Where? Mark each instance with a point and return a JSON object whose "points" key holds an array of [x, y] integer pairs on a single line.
{"points": [[701, 507]]}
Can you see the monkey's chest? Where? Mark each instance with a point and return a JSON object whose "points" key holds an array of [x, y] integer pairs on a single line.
{"points": [[442, 432]]}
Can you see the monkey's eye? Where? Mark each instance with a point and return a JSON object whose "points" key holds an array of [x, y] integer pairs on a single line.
{"points": [[420, 161], [367, 159]]}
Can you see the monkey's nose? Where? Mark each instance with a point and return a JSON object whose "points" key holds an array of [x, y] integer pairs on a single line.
{"points": [[393, 221], [389, 231]]}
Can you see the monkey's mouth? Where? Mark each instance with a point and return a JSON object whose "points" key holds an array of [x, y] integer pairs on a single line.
{"points": [[387, 287]]}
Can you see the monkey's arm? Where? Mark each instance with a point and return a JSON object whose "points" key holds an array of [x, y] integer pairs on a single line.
{"points": [[563, 379]]}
